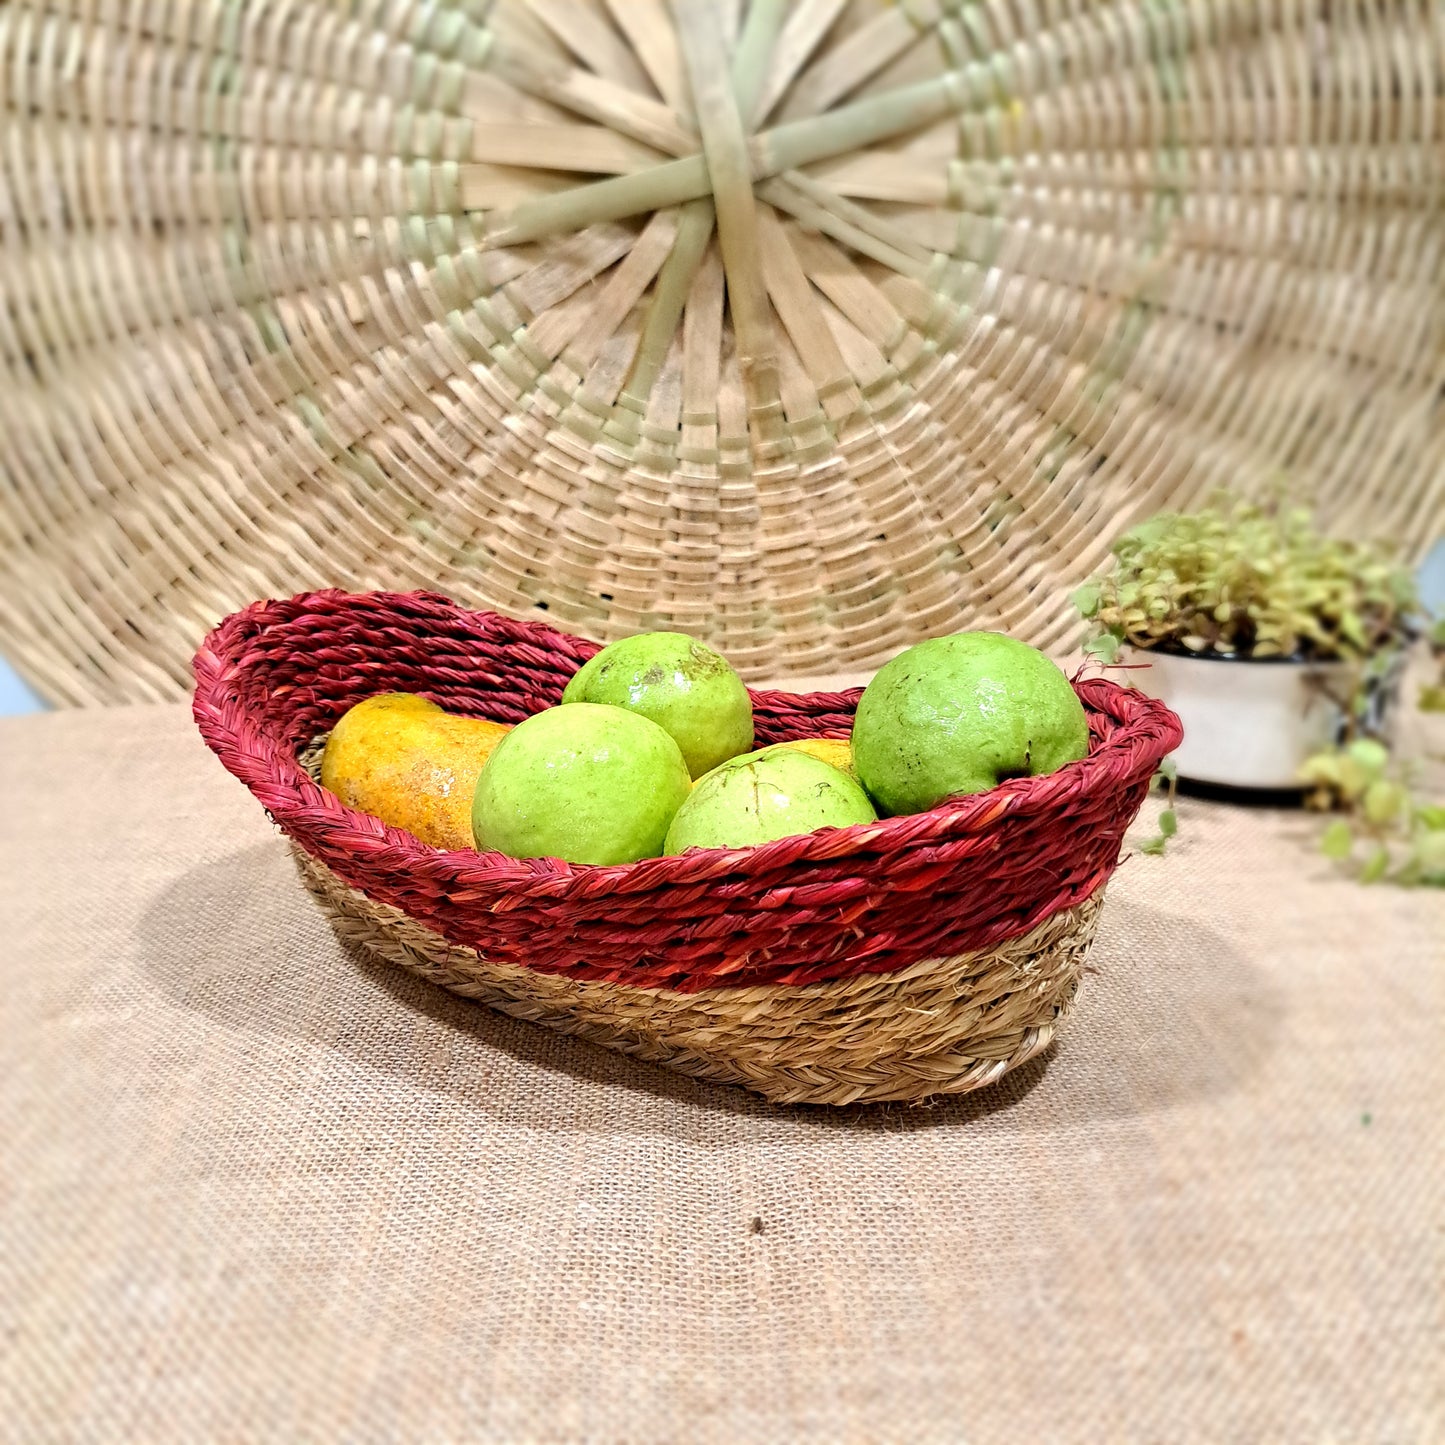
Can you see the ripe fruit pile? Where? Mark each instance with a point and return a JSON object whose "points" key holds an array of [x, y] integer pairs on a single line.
{"points": [[649, 752]]}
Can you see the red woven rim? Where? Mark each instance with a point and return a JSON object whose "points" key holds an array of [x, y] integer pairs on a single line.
{"points": [[867, 899]]}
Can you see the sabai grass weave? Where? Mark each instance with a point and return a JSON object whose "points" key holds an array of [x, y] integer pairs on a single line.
{"points": [[893, 960], [809, 329]]}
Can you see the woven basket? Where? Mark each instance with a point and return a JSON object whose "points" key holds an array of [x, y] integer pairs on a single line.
{"points": [[919, 955], [807, 328]]}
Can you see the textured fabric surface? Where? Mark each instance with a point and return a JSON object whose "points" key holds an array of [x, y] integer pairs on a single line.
{"points": [[253, 1188]]}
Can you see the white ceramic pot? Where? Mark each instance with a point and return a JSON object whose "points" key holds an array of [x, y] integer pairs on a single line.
{"points": [[1250, 724]]}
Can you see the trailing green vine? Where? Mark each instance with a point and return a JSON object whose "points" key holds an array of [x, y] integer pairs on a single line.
{"points": [[1168, 822], [1384, 830]]}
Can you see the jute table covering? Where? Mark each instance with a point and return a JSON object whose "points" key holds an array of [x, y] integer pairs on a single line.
{"points": [[253, 1189]]}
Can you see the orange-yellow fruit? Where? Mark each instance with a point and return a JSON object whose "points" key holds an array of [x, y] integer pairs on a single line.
{"points": [[411, 764], [838, 752]]}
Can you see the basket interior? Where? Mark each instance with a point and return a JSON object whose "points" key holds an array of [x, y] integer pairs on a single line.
{"points": [[302, 666]]}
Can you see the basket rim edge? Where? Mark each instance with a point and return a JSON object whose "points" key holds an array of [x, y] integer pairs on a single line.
{"points": [[270, 769]]}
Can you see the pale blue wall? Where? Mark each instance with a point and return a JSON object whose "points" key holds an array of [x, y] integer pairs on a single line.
{"points": [[1432, 579], [15, 696]]}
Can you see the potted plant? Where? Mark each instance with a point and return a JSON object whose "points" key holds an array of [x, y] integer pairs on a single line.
{"points": [[1270, 640]]}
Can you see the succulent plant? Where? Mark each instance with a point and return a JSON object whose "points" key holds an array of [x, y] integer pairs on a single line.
{"points": [[1245, 580]]}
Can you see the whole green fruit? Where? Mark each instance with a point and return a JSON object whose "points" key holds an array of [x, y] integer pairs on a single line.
{"points": [[589, 784], [958, 715], [682, 685], [775, 793]]}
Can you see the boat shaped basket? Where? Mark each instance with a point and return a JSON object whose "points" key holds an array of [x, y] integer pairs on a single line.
{"points": [[915, 956]]}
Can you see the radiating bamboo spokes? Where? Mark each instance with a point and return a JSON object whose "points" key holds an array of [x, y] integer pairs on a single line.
{"points": [[989, 282]]}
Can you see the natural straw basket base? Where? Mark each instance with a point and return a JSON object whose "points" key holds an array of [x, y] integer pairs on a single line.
{"points": [[940, 1026]]}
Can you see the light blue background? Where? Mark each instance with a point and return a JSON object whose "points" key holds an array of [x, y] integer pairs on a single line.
{"points": [[16, 697]]}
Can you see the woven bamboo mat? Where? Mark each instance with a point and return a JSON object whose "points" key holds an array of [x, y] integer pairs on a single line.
{"points": [[809, 328]]}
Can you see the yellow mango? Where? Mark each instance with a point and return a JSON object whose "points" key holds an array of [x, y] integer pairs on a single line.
{"points": [[411, 764], [837, 752]]}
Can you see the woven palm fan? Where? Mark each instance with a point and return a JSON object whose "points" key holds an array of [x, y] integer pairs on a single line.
{"points": [[807, 328]]}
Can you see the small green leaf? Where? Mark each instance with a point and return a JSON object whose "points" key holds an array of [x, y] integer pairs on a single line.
{"points": [[1154, 846], [1431, 816], [1169, 770], [1337, 841], [1168, 823], [1372, 756], [1428, 852], [1376, 866], [1354, 779], [1147, 533], [1105, 647], [1086, 598], [1384, 801], [1323, 768]]}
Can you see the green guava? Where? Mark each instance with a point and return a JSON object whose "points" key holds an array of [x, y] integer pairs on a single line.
{"points": [[959, 714], [682, 685], [775, 793], [587, 783]]}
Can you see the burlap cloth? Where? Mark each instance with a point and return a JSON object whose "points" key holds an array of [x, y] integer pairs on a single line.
{"points": [[256, 1189]]}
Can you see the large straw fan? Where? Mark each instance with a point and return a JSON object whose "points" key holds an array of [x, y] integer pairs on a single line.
{"points": [[809, 328]]}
